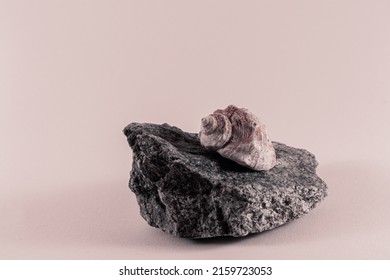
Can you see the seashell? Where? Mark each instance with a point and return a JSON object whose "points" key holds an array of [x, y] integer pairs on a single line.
{"points": [[237, 134]]}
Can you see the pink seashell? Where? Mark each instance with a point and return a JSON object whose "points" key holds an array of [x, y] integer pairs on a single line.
{"points": [[237, 134]]}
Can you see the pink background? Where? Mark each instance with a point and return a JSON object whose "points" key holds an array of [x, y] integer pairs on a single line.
{"points": [[74, 73]]}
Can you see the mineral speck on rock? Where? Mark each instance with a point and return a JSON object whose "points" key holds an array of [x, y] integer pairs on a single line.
{"points": [[188, 191]]}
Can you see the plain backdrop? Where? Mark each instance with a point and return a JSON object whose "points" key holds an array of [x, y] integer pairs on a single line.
{"points": [[73, 74]]}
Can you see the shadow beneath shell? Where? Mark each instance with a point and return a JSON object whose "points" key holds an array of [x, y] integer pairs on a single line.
{"points": [[228, 165]]}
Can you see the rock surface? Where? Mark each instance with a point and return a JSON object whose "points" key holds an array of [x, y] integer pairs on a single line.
{"points": [[188, 191]]}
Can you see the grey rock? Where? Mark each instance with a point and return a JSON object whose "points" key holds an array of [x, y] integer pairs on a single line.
{"points": [[188, 191]]}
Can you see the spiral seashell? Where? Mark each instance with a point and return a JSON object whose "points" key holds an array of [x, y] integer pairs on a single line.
{"points": [[237, 134], [215, 131]]}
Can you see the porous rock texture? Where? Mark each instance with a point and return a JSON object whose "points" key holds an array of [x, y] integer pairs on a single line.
{"points": [[190, 192]]}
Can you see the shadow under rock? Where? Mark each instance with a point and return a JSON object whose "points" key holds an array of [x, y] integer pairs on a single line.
{"points": [[223, 240]]}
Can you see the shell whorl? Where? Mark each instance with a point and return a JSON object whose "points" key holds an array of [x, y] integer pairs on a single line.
{"points": [[209, 124], [215, 132]]}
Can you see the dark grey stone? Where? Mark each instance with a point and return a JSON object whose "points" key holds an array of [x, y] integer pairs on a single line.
{"points": [[189, 192]]}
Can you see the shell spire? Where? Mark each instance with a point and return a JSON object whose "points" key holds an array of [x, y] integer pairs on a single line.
{"points": [[215, 131]]}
